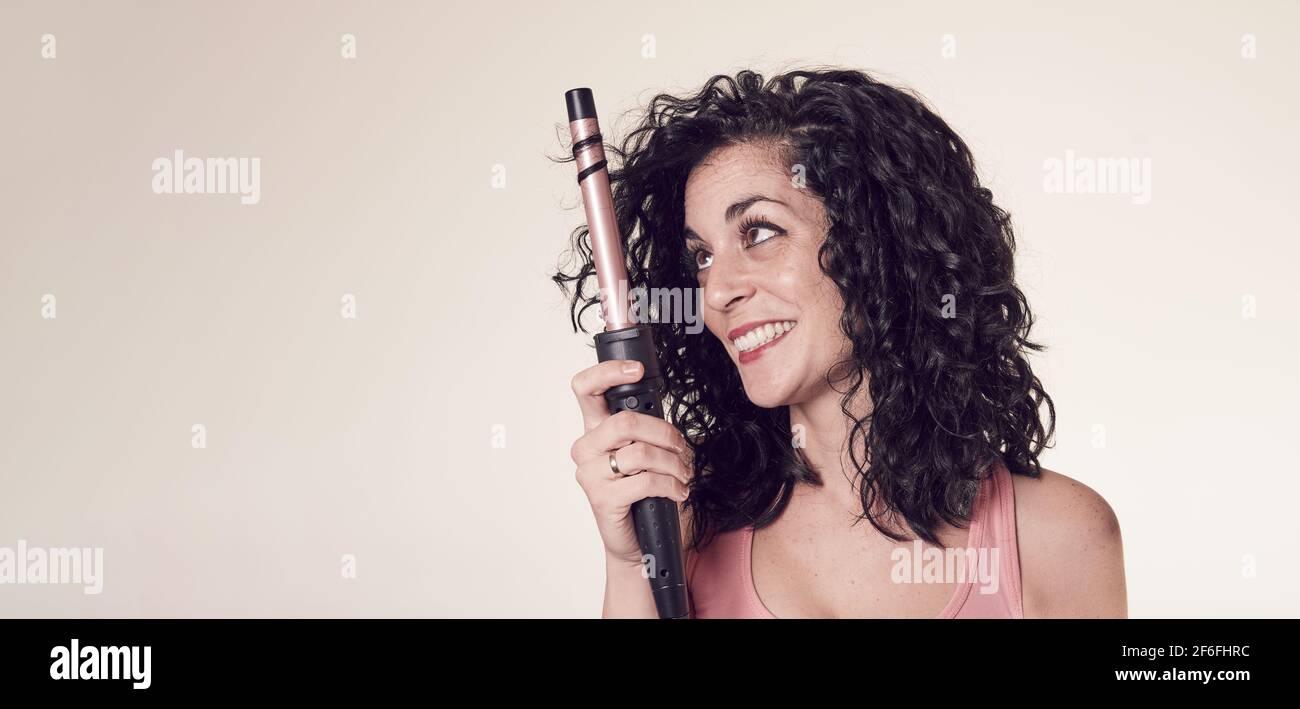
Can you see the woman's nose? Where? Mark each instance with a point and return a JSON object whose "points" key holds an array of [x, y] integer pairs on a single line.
{"points": [[728, 285]]}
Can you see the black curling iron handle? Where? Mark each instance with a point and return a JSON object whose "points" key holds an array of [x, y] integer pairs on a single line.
{"points": [[658, 529]]}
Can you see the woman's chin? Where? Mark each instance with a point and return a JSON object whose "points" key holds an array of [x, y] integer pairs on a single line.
{"points": [[767, 397]]}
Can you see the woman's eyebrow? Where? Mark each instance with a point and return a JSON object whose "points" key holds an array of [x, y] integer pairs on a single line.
{"points": [[735, 210], [739, 208]]}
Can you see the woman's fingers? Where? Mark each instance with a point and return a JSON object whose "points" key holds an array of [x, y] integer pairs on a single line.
{"points": [[590, 386], [626, 427], [637, 458], [651, 458], [651, 484], [615, 496]]}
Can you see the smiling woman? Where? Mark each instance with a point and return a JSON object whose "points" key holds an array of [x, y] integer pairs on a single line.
{"points": [[756, 259], [865, 358]]}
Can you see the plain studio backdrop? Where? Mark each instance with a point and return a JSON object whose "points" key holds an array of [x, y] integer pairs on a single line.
{"points": [[202, 408]]}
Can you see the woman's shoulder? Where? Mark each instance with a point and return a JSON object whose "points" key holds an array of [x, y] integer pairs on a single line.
{"points": [[1066, 501], [1070, 548]]}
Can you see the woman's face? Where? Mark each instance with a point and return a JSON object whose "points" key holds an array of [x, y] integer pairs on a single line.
{"points": [[753, 235]]}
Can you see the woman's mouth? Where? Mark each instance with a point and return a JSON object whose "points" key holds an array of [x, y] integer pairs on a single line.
{"points": [[753, 339]]}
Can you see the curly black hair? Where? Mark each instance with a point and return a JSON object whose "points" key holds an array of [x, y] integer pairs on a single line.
{"points": [[911, 234]]}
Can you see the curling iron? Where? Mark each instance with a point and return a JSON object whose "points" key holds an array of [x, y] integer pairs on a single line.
{"points": [[658, 530]]}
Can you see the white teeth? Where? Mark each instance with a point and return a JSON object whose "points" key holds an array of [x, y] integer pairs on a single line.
{"points": [[762, 335]]}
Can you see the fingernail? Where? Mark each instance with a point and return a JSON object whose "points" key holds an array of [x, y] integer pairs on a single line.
{"points": [[631, 367]]}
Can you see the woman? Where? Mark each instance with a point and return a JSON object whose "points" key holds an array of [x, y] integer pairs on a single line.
{"points": [[865, 359]]}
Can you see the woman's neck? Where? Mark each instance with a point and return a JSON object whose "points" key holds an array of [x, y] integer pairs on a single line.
{"points": [[820, 427]]}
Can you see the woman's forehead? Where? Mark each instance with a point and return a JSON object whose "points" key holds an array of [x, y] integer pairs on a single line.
{"points": [[734, 175], [743, 160]]}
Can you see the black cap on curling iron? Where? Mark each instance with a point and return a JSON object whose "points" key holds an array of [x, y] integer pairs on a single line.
{"points": [[581, 104]]}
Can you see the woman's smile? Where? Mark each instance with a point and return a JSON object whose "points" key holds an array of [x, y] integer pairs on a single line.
{"points": [[752, 339]]}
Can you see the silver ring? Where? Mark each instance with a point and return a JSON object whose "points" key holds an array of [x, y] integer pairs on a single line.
{"points": [[613, 464]]}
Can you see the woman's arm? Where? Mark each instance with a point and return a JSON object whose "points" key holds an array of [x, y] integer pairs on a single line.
{"points": [[627, 591], [1071, 550]]}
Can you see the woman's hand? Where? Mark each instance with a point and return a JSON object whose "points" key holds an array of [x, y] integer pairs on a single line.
{"points": [[652, 455]]}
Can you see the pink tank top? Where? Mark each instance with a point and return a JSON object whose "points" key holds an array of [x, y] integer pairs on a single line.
{"points": [[721, 582]]}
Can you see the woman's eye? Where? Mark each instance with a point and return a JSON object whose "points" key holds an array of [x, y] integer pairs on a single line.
{"points": [[760, 239], [703, 259]]}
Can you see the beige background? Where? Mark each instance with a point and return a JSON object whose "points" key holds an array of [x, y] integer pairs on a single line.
{"points": [[373, 436]]}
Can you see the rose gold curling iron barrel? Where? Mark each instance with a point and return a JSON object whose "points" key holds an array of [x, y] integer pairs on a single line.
{"points": [[658, 530]]}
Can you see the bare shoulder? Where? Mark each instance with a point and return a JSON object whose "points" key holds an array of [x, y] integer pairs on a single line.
{"points": [[1071, 549], [1072, 506]]}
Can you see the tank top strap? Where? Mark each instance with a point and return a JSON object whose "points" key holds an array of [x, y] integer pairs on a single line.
{"points": [[999, 523]]}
